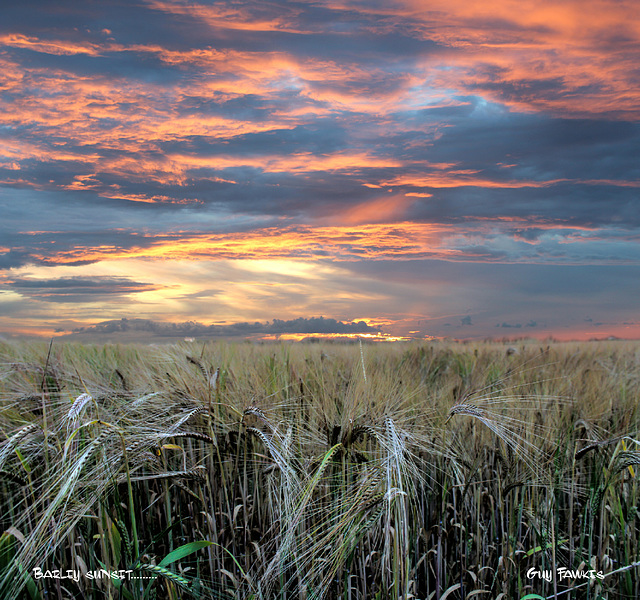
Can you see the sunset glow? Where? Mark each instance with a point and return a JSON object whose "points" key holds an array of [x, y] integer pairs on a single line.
{"points": [[334, 169]]}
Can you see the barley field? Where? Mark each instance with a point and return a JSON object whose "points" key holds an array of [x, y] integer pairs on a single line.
{"points": [[320, 471]]}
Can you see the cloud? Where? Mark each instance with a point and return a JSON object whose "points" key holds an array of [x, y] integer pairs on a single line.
{"points": [[517, 325], [475, 241], [313, 325], [77, 288], [402, 296]]}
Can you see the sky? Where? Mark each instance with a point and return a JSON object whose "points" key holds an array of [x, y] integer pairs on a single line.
{"points": [[390, 169]]}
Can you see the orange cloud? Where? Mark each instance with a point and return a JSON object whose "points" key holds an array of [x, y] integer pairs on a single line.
{"points": [[466, 178], [387, 241], [381, 210], [226, 17], [583, 47], [510, 50], [371, 241], [586, 47], [304, 162], [56, 47]]}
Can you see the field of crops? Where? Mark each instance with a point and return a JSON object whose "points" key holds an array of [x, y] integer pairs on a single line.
{"points": [[319, 470]]}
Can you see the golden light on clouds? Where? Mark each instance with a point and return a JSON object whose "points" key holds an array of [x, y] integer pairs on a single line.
{"points": [[427, 170], [406, 240]]}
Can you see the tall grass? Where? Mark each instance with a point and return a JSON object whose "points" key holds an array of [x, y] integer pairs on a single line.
{"points": [[314, 471]]}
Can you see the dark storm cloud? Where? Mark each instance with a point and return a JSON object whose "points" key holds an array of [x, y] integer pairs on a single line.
{"points": [[313, 325], [13, 258], [77, 289], [502, 147], [571, 205], [51, 247], [541, 147]]}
